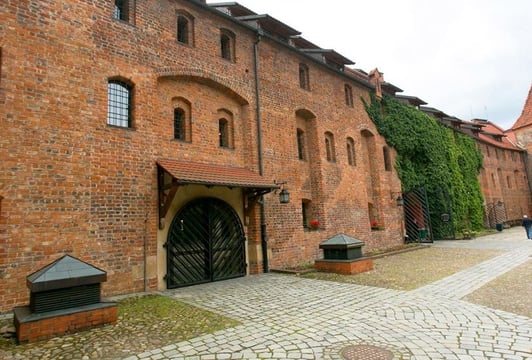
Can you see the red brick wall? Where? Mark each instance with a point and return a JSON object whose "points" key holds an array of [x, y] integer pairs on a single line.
{"points": [[504, 179], [72, 184], [46, 328]]}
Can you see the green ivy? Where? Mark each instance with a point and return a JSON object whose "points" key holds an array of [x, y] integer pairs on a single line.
{"points": [[429, 153]]}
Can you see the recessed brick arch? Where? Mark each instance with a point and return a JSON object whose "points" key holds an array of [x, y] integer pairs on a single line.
{"points": [[224, 84], [305, 114]]}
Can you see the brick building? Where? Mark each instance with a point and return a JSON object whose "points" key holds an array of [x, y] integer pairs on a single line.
{"points": [[521, 133], [503, 177], [152, 139]]}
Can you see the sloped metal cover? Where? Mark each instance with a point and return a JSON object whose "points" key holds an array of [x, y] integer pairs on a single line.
{"points": [[341, 241], [66, 271]]}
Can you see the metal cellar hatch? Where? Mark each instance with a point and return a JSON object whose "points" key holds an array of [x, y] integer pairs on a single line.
{"points": [[64, 298], [65, 283]]}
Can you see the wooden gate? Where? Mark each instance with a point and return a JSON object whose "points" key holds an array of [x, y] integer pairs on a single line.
{"points": [[206, 243]]}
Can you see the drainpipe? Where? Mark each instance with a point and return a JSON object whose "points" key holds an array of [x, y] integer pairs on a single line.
{"points": [[146, 252], [263, 234]]}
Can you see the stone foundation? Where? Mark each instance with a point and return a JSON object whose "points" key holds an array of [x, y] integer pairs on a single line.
{"points": [[345, 267]]}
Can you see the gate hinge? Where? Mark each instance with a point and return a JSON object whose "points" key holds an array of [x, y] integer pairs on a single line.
{"points": [[165, 245], [165, 277]]}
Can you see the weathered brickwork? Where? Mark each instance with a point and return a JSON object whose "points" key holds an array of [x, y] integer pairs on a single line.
{"points": [[504, 184], [73, 184], [521, 133], [46, 328]]}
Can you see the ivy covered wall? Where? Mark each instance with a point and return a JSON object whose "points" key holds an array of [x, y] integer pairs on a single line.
{"points": [[430, 154]]}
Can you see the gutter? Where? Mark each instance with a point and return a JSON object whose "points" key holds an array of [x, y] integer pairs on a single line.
{"points": [[263, 233]]}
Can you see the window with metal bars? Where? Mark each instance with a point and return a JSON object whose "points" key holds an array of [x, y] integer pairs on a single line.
{"points": [[119, 103], [120, 10], [301, 144], [179, 124], [223, 132]]}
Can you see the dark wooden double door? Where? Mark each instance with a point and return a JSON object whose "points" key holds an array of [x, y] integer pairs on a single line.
{"points": [[206, 243]]}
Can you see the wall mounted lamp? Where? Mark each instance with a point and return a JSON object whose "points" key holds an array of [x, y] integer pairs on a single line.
{"points": [[398, 197], [284, 195]]}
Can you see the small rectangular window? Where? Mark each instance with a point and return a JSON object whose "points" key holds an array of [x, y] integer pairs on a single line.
{"points": [[330, 152], [179, 124], [304, 79], [351, 159], [348, 95], [387, 160], [182, 29], [223, 133], [227, 45], [119, 96], [121, 10], [301, 144]]}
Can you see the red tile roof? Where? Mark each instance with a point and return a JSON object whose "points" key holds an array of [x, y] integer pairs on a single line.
{"points": [[526, 116], [490, 131], [186, 172]]}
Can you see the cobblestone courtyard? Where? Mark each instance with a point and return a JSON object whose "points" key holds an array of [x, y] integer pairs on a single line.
{"points": [[290, 317], [287, 317]]}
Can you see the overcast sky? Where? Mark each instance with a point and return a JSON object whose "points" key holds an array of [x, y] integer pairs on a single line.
{"points": [[468, 58]]}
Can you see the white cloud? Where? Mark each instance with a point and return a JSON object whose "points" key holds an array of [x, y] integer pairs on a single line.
{"points": [[468, 58]]}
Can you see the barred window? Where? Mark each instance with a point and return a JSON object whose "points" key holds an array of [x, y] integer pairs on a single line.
{"points": [[179, 124], [301, 144], [119, 103], [223, 132], [120, 10]]}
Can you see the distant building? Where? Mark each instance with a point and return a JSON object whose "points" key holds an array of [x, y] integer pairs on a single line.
{"points": [[503, 177], [521, 132]]}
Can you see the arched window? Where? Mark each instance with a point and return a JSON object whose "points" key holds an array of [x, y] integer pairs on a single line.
{"points": [[387, 160], [301, 144], [182, 120], [119, 103], [179, 124], [225, 128], [223, 132], [348, 95], [304, 80], [227, 44], [329, 147], [351, 159]]}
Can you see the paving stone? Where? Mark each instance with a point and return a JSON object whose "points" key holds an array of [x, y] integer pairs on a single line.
{"points": [[286, 317]]}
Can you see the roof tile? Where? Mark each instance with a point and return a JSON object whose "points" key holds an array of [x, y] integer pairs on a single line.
{"points": [[186, 172]]}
